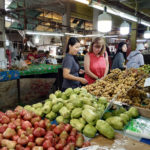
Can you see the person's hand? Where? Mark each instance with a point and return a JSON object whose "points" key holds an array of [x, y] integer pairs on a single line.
{"points": [[31, 57], [81, 71], [83, 81]]}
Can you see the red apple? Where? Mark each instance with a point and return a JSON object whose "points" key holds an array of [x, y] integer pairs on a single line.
{"points": [[39, 141], [25, 125]]}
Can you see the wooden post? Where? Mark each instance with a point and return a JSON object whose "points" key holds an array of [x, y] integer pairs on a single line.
{"points": [[133, 35]]}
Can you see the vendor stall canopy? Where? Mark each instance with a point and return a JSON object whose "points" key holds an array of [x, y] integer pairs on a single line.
{"points": [[47, 15]]}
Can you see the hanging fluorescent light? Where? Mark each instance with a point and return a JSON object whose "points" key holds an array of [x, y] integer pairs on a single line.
{"points": [[111, 36], [83, 1], [74, 34], [114, 11], [146, 23], [43, 33], [124, 28], [147, 34], [104, 22], [36, 39]]}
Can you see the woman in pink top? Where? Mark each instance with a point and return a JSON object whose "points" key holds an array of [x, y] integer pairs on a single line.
{"points": [[96, 61]]}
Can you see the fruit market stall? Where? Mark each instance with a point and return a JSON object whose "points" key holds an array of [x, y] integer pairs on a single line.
{"points": [[39, 84], [76, 111]]}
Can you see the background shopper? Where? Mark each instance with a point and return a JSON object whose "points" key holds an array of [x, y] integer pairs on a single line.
{"points": [[120, 57], [135, 58]]}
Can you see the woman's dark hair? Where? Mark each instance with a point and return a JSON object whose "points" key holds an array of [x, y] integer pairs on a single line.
{"points": [[120, 45], [72, 41]]}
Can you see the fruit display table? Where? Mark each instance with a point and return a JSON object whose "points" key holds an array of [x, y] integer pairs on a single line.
{"points": [[40, 69], [9, 75]]}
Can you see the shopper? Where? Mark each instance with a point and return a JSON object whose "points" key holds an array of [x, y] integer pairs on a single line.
{"points": [[120, 57], [96, 61], [135, 58], [71, 67], [34, 55]]}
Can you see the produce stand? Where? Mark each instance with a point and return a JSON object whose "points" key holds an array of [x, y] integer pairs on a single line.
{"points": [[9, 75], [40, 71]]}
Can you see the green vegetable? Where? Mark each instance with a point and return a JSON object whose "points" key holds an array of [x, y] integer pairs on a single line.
{"points": [[82, 121], [134, 112], [76, 113], [73, 96], [122, 110], [77, 124], [64, 96], [116, 122], [52, 96], [83, 90], [89, 107], [47, 107], [107, 115], [89, 115], [60, 119], [125, 118], [77, 90], [102, 100], [86, 100], [77, 103], [51, 116], [38, 112], [58, 93], [64, 112], [89, 131], [129, 114], [105, 129], [69, 106], [68, 91], [28, 107], [57, 107], [37, 105]]}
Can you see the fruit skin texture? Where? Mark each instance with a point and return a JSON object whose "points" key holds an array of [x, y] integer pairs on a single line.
{"points": [[3, 128], [47, 144], [37, 148], [39, 132], [26, 124], [9, 144], [79, 140], [9, 133], [39, 141], [23, 140]]}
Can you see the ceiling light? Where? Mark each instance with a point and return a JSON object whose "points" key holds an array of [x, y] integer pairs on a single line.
{"points": [[43, 33], [74, 34], [104, 22], [146, 23], [36, 39], [114, 11], [124, 28], [147, 34], [111, 36], [82, 42], [83, 1]]}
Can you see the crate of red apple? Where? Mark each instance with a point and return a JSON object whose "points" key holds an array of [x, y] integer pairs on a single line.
{"points": [[24, 130]]}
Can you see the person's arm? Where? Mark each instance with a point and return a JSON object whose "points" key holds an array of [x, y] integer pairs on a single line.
{"points": [[121, 62], [67, 66], [107, 65], [67, 75], [141, 60], [87, 67]]}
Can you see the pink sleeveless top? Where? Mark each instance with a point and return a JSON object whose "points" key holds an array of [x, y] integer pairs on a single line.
{"points": [[97, 66]]}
